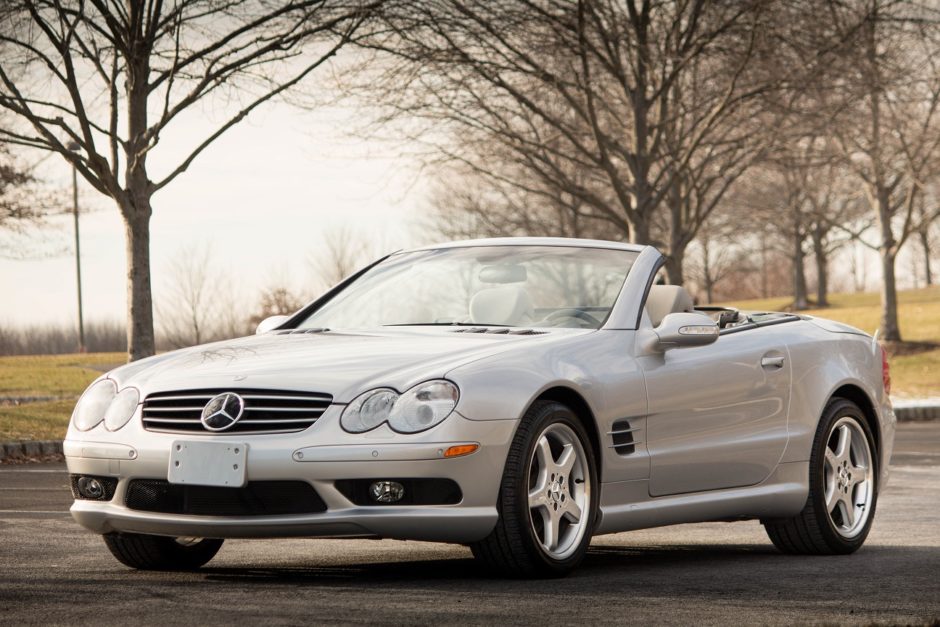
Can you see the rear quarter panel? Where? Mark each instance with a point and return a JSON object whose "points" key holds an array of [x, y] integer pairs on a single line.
{"points": [[822, 362]]}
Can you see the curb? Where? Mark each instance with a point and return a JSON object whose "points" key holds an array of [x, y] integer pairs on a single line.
{"points": [[917, 413], [32, 448]]}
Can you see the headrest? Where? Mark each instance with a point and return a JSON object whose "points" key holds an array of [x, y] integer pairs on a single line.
{"points": [[508, 304], [666, 299]]}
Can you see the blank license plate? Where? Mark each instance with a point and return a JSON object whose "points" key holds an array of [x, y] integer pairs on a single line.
{"points": [[208, 463]]}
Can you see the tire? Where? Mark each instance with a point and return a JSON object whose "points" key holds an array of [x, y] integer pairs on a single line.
{"points": [[535, 492], [145, 552], [843, 488]]}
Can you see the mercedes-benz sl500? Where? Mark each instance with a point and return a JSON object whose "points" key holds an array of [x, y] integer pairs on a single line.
{"points": [[519, 396]]}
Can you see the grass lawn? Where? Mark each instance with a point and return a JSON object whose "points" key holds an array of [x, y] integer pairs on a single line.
{"points": [[915, 374], [63, 377], [35, 421]]}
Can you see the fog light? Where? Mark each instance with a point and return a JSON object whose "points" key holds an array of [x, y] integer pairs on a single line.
{"points": [[386, 491], [90, 488]]}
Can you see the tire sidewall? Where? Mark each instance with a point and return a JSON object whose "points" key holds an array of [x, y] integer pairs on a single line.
{"points": [[836, 410], [545, 416]]}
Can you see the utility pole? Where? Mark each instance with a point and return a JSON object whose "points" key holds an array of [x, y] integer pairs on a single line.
{"points": [[78, 256]]}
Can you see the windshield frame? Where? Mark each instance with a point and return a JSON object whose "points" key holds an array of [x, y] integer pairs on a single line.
{"points": [[635, 252]]}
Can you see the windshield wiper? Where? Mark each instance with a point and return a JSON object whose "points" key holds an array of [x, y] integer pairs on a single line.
{"points": [[445, 324]]}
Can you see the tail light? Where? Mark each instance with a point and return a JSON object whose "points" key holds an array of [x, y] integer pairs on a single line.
{"points": [[885, 371]]}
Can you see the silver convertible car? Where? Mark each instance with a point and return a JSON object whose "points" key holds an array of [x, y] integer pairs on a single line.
{"points": [[516, 395]]}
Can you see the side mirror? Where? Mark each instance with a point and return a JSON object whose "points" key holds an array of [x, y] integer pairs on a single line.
{"points": [[270, 323], [679, 330]]}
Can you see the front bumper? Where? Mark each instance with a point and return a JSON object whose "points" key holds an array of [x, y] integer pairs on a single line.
{"points": [[320, 456]]}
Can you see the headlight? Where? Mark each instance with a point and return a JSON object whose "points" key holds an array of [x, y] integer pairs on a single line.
{"points": [[121, 409], [93, 404], [423, 406], [368, 411], [418, 409]]}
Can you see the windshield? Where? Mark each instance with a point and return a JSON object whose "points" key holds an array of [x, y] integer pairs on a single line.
{"points": [[533, 286]]}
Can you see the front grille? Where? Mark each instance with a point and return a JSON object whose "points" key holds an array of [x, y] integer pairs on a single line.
{"points": [[266, 411], [257, 498]]}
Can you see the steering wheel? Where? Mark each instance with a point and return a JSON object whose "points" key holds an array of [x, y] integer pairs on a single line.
{"points": [[574, 313]]}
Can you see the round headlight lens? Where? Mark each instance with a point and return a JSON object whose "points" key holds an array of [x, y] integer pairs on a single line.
{"points": [[121, 409], [367, 411], [423, 406], [93, 404]]}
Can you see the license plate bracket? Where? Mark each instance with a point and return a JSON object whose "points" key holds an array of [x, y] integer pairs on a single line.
{"points": [[220, 464]]}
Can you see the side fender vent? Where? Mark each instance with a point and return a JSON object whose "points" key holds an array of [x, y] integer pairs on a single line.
{"points": [[622, 436]]}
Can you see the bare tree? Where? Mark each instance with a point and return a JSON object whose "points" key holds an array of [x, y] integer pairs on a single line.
{"points": [[99, 83], [276, 301], [345, 250], [198, 301], [340, 255], [926, 232], [644, 113], [471, 203], [891, 137], [719, 252], [18, 205]]}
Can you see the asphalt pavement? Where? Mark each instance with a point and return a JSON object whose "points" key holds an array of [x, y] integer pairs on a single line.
{"points": [[54, 572]]}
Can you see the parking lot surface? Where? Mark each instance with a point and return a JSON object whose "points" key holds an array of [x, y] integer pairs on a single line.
{"points": [[52, 571]]}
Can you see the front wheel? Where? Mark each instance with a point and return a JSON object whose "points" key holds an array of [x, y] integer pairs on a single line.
{"points": [[547, 498], [843, 488], [146, 552]]}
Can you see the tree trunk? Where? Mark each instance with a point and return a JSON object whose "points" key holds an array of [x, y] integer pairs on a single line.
{"points": [[890, 331], [641, 231], [925, 246], [800, 300], [676, 257], [674, 266], [140, 338], [135, 200], [764, 284], [707, 272], [822, 269]]}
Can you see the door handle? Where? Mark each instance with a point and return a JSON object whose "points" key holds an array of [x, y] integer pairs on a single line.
{"points": [[771, 362]]}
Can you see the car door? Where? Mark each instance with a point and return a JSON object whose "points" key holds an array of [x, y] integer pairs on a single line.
{"points": [[717, 413]]}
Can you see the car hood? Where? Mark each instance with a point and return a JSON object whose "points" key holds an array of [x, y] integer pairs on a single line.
{"points": [[343, 364]]}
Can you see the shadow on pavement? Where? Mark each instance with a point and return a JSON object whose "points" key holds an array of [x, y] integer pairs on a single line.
{"points": [[744, 571]]}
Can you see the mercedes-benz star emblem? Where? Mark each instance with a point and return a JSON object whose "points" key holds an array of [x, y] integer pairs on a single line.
{"points": [[222, 411]]}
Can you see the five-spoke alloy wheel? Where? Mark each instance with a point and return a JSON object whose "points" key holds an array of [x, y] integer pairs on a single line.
{"points": [[843, 487], [849, 480], [559, 490], [547, 498]]}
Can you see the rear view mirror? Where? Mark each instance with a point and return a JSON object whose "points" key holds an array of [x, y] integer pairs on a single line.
{"points": [[678, 330], [270, 323]]}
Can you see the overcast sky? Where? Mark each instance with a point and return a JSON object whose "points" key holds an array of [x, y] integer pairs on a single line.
{"points": [[261, 198]]}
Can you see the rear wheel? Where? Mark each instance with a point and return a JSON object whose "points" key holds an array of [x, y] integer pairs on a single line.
{"points": [[547, 498], [843, 488], [146, 552]]}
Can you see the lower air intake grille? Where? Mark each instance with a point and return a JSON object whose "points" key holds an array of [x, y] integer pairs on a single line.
{"points": [[266, 411], [257, 498]]}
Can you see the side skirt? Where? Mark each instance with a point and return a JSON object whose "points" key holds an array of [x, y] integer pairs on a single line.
{"points": [[627, 505]]}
